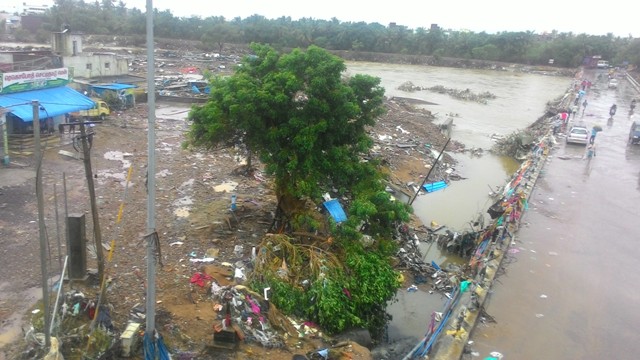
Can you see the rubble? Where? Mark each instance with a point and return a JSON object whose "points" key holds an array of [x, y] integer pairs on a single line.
{"points": [[466, 94]]}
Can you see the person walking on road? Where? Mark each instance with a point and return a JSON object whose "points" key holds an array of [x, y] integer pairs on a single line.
{"points": [[594, 132], [584, 106], [591, 151]]}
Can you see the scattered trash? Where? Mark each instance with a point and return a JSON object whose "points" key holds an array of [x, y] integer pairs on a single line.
{"points": [[200, 279], [437, 316], [239, 274], [238, 250], [212, 252], [494, 355], [435, 186], [543, 296], [464, 285]]}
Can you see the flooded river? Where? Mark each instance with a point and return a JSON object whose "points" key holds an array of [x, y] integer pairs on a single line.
{"points": [[520, 100]]}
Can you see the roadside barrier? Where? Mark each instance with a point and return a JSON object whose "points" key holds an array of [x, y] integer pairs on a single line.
{"points": [[633, 82]]}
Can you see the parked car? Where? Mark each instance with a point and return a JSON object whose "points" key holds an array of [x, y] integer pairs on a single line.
{"points": [[634, 133], [578, 134], [613, 83]]}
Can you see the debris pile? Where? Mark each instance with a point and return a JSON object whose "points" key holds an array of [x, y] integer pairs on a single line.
{"points": [[466, 94]]}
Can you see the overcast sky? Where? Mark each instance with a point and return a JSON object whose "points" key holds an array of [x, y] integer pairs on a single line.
{"points": [[613, 16]]}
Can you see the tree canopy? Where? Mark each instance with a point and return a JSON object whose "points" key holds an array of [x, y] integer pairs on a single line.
{"points": [[308, 123], [296, 111]]}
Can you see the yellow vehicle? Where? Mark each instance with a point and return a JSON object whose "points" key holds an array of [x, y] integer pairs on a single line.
{"points": [[99, 111]]}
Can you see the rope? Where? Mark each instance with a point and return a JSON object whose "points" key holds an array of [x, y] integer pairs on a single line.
{"points": [[153, 343]]}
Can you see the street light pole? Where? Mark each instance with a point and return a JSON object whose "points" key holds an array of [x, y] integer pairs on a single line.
{"points": [[43, 244], [151, 176]]}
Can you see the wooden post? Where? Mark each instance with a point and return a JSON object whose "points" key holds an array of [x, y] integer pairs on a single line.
{"points": [[92, 196], [429, 173]]}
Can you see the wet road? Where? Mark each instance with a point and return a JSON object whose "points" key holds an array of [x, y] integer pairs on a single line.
{"points": [[568, 291]]}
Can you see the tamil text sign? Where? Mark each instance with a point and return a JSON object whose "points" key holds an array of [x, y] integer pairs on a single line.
{"points": [[30, 80]]}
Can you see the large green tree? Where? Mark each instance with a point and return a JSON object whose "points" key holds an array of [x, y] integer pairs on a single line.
{"points": [[305, 121], [308, 124]]}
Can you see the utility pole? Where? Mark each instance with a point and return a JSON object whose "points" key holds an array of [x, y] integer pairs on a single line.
{"points": [[41, 231], [92, 197], [429, 173], [151, 178]]}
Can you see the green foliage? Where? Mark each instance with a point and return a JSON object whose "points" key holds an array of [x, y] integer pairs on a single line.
{"points": [[295, 110], [339, 299]]}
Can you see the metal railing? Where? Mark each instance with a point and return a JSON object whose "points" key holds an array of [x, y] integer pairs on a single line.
{"points": [[633, 82]]}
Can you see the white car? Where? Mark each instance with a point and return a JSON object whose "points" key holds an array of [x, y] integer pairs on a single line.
{"points": [[578, 135], [613, 83]]}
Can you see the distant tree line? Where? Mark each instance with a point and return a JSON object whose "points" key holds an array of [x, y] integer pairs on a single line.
{"points": [[566, 49]]}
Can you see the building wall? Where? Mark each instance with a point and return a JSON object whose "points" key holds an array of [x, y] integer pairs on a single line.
{"points": [[63, 43], [6, 58], [89, 66]]}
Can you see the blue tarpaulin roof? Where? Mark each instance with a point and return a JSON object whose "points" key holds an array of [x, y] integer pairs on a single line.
{"points": [[335, 209], [114, 86], [55, 101]]}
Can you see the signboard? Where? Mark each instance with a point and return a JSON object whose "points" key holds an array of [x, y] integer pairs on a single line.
{"points": [[32, 80]]}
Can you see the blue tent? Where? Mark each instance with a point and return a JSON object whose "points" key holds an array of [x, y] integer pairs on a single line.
{"points": [[53, 102], [99, 89]]}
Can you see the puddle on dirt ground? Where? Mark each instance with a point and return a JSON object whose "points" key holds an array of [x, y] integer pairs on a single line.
{"points": [[182, 212], [104, 175], [119, 176], [183, 205], [228, 186], [119, 156], [11, 327], [172, 112]]}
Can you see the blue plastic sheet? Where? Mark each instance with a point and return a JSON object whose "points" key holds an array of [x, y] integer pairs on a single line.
{"points": [[335, 209]]}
